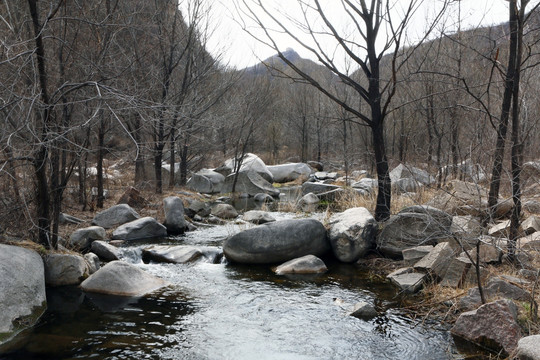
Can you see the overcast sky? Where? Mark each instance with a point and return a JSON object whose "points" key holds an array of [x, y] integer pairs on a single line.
{"points": [[238, 49]]}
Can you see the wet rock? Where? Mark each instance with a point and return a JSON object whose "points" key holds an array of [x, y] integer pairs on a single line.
{"points": [[308, 264], [405, 230], [277, 241], [82, 239], [133, 198], [114, 216], [493, 326], [180, 254], [224, 211], [289, 172], [317, 188], [352, 234], [528, 349], [258, 217], [105, 251], [250, 183], [143, 228], [65, 269], [414, 254], [174, 215], [206, 181], [531, 225], [121, 278], [22, 289], [92, 262], [364, 310], [437, 261]]}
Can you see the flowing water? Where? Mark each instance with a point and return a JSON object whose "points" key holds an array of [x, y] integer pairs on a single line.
{"points": [[225, 311]]}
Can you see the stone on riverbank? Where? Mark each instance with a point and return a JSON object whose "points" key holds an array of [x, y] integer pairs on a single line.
{"points": [[528, 348], [65, 269], [82, 239], [105, 251], [277, 241], [22, 289], [352, 234], [258, 217], [114, 216], [143, 228], [123, 279], [493, 326], [174, 215]]}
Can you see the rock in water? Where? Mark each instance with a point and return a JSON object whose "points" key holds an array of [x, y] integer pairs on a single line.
{"points": [[121, 278], [308, 264], [65, 269], [277, 241], [22, 289], [352, 234], [174, 215]]}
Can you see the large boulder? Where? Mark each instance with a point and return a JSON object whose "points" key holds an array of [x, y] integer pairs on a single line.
{"points": [[251, 163], [22, 289], [105, 251], [277, 241], [121, 278], [143, 228], [405, 230], [308, 264], [206, 181], [352, 234], [82, 239], [174, 215], [528, 349], [250, 183], [410, 172], [493, 326], [366, 184], [65, 269], [289, 172], [224, 211], [114, 216]]}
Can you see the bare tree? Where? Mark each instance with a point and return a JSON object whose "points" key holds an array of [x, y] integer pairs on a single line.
{"points": [[381, 27]]}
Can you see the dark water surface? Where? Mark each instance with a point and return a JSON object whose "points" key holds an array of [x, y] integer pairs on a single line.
{"points": [[220, 311]]}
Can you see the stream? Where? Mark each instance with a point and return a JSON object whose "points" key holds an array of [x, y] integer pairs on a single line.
{"points": [[226, 311]]}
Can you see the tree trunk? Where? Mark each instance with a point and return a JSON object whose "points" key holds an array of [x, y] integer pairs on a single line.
{"points": [[99, 165], [172, 160], [382, 209]]}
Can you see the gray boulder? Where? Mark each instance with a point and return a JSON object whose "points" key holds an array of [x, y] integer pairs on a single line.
{"points": [[435, 214], [249, 183], [65, 269], [493, 326], [308, 264], [363, 310], [407, 280], [532, 206], [143, 228], [174, 215], [289, 172], [405, 230], [82, 239], [419, 176], [414, 254], [224, 211], [68, 219], [263, 198], [251, 163], [352, 234], [197, 207], [366, 184], [114, 216], [105, 251], [531, 225], [180, 254], [437, 261], [277, 241], [258, 217], [121, 278], [528, 349], [495, 287], [22, 290], [324, 175], [92, 262], [206, 181]]}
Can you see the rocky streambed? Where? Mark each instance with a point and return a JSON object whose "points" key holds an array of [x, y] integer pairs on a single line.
{"points": [[216, 310]]}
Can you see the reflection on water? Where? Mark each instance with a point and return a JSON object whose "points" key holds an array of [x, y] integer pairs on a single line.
{"points": [[220, 311]]}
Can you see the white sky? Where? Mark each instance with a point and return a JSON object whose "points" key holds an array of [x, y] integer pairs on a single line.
{"points": [[238, 49]]}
